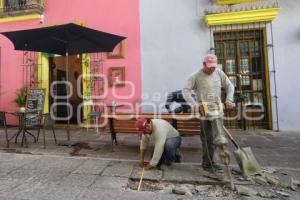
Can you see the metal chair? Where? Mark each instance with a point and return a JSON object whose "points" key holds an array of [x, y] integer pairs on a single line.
{"points": [[95, 117], [4, 125], [48, 123]]}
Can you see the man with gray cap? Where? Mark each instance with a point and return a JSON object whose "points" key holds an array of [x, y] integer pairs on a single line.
{"points": [[207, 84]]}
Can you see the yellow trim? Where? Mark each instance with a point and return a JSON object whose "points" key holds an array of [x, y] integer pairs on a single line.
{"points": [[225, 2], [43, 78], [267, 77], [86, 83], [20, 18], [242, 17]]}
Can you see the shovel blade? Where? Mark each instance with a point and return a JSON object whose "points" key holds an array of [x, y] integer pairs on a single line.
{"points": [[247, 161]]}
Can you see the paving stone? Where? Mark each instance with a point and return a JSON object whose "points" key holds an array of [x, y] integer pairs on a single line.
{"points": [[16, 162], [92, 166], [82, 180], [26, 190], [271, 179], [269, 170], [284, 194], [58, 163], [187, 173], [23, 175], [260, 180], [179, 190], [201, 188], [153, 174], [94, 194], [293, 184], [110, 182], [242, 190], [51, 191], [50, 176], [118, 168], [6, 186], [266, 194]]}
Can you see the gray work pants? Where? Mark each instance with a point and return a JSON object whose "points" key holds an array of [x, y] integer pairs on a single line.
{"points": [[171, 151], [210, 128]]}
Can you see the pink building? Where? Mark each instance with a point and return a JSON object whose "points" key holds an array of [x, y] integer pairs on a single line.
{"points": [[38, 70]]}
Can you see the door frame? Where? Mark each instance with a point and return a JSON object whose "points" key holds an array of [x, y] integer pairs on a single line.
{"points": [[265, 74], [44, 80]]}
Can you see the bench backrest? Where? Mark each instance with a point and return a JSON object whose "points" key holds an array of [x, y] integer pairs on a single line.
{"points": [[184, 123]]}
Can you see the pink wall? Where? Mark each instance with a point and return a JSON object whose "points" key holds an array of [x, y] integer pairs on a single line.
{"points": [[119, 17]]}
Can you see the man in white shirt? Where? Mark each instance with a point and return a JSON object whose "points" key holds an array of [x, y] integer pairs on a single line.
{"points": [[166, 140], [207, 84]]}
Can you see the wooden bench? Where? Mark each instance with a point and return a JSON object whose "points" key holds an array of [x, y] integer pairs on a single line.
{"points": [[186, 124]]}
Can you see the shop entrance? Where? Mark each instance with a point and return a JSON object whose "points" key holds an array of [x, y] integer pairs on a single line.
{"points": [[58, 73]]}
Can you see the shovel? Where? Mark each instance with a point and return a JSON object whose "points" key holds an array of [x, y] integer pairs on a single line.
{"points": [[245, 158]]}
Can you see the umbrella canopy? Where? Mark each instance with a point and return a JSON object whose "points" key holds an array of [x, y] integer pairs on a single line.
{"points": [[66, 39]]}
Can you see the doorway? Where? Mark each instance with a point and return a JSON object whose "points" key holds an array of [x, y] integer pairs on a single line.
{"points": [[58, 73]]}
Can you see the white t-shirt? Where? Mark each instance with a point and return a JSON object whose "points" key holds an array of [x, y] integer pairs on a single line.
{"points": [[161, 131]]}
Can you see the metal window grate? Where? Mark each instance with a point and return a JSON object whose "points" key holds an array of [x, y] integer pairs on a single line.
{"points": [[241, 51]]}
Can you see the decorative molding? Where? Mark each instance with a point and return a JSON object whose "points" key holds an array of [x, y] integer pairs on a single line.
{"points": [[227, 2], [120, 51], [242, 17], [215, 9]]}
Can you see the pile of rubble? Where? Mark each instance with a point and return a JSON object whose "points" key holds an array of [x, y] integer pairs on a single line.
{"points": [[269, 184]]}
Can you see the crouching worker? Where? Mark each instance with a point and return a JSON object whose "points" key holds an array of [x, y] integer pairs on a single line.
{"points": [[166, 140]]}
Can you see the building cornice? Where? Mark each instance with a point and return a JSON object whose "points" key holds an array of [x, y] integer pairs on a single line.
{"points": [[242, 17], [227, 2], [259, 11]]}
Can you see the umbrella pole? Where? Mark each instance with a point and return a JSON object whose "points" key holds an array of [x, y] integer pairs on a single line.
{"points": [[68, 112]]}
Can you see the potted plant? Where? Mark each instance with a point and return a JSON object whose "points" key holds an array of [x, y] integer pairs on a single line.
{"points": [[20, 100]]}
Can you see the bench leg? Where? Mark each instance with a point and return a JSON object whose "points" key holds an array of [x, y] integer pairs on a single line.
{"points": [[44, 138], [113, 140], [54, 135], [113, 133], [7, 140]]}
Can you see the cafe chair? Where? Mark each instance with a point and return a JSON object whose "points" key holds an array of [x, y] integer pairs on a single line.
{"points": [[94, 118], [32, 121], [5, 126], [47, 124]]}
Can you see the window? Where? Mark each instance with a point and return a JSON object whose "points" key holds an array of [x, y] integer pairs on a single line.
{"points": [[240, 55]]}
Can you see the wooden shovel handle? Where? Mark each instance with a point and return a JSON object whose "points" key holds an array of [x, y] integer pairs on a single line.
{"points": [[230, 137]]}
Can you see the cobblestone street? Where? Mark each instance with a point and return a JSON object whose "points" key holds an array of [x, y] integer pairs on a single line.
{"points": [[90, 170]]}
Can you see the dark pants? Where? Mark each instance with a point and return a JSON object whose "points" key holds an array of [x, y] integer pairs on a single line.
{"points": [[171, 151], [209, 130]]}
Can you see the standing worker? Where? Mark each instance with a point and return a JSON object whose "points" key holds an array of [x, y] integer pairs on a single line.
{"points": [[207, 84], [166, 139]]}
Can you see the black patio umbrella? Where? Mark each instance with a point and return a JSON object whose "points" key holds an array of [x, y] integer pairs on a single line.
{"points": [[66, 39]]}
